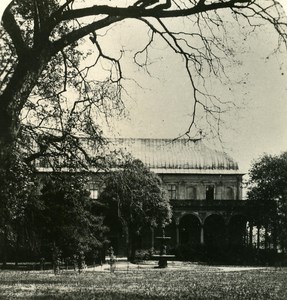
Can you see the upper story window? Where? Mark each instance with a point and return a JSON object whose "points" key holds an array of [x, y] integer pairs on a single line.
{"points": [[171, 188], [229, 193], [94, 191], [210, 192], [191, 193], [43, 162]]}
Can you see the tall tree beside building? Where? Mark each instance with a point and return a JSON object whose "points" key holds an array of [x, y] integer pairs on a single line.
{"points": [[268, 183], [66, 217], [135, 195], [17, 190]]}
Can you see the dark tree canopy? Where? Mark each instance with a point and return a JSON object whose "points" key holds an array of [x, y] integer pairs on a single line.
{"points": [[268, 175], [66, 217], [135, 196], [268, 182], [42, 58], [18, 189]]}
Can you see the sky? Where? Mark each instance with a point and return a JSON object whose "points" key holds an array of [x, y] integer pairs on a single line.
{"points": [[162, 106]]}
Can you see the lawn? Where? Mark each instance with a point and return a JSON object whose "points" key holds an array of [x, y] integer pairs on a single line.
{"points": [[194, 282]]}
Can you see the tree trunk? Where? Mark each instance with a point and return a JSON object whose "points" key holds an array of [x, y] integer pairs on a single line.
{"points": [[127, 241], [4, 247], [275, 236], [131, 245], [266, 236], [18, 236], [24, 78], [133, 250]]}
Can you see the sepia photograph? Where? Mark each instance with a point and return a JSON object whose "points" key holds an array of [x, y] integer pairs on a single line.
{"points": [[143, 149]]}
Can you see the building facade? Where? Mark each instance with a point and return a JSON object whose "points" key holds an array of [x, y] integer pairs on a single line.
{"points": [[205, 191]]}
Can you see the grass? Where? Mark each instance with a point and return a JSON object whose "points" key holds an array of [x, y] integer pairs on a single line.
{"points": [[195, 282]]}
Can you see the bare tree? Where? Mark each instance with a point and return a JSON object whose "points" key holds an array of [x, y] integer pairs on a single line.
{"points": [[42, 58]]}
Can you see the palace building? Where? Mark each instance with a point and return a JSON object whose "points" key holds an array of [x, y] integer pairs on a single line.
{"points": [[205, 191]]}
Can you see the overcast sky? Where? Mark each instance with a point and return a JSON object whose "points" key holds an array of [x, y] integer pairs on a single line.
{"points": [[161, 108]]}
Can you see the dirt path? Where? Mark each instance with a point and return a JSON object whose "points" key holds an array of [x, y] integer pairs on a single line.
{"points": [[174, 265]]}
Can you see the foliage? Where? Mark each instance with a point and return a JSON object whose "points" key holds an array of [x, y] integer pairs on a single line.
{"points": [[62, 105], [15, 186], [144, 254], [136, 196], [17, 191], [66, 218], [239, 255], [268, 183], [53, 49], [181, 282]]}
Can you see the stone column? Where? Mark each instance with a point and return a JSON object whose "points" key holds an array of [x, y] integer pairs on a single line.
{"points": [[238, 188], [251, 234], [258, 236], [177, 234], [152, 237], [201, 234], [227, 237]]}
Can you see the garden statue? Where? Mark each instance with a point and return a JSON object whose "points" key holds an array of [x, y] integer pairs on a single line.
{"points": [[42, 263], [56, 260], [112, 259], [81, 261]]}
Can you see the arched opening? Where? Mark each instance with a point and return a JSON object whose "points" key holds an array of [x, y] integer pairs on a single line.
{"points": [[189, 230], [237, 233], [214, 231]]}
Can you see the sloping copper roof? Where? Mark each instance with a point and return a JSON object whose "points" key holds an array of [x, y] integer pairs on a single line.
{"points": [[177, 156]]}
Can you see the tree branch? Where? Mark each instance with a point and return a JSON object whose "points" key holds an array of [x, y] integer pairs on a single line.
{"points": [[12, 28], [135, 12], [75, 35]]}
